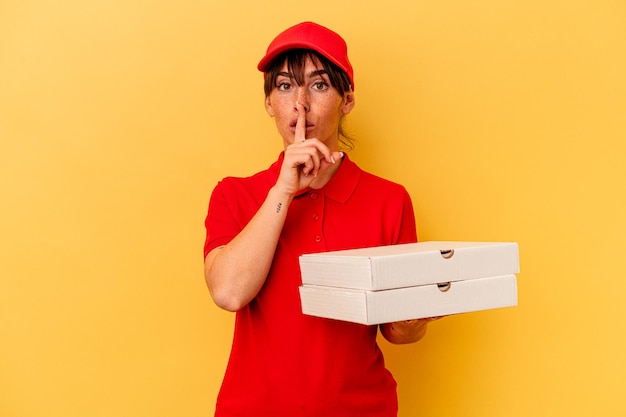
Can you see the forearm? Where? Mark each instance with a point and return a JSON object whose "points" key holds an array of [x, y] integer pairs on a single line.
{"points": [[236, 272]]}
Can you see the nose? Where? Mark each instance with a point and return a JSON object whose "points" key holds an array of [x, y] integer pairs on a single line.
{"points": [[302, 98]]}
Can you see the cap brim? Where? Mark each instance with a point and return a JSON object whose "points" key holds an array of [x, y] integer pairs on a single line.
{"points": [[265, 63]]}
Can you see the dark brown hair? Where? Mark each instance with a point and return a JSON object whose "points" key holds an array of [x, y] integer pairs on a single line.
{"points": [[296, 60]]}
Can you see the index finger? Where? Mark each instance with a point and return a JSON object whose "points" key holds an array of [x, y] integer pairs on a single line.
{"points": [[300, 135]]}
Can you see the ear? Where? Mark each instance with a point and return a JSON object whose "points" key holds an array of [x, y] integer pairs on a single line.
{"points": [[268, 106], [348, 103]]}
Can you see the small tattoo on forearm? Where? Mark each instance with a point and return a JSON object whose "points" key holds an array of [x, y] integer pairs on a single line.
{"points": [[278, 207]]}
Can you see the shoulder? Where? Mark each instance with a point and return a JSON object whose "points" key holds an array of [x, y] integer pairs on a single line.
{"points": [[380, 181], [252, 181], [379, 184], [367, 181], [258, 182], [355, 169]]}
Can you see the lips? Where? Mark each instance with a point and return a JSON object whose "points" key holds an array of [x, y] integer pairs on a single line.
{"points": [[294, 122]]}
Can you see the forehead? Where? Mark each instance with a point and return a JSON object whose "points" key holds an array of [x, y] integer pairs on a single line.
{"points": [[310, 64]]}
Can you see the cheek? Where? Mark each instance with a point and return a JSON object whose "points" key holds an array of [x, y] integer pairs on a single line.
{"points": [[280, 107], [331, 109]]}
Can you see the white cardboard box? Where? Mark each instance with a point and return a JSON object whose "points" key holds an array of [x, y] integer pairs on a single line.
{"points": [[408, 265], [375, 307]]}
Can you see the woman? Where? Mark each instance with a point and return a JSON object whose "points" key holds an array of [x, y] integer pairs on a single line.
{"points": [[312, 199]]}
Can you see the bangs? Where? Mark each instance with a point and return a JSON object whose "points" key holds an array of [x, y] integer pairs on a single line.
{"points": [[296, 61]]}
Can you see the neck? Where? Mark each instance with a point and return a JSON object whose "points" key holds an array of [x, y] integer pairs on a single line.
{"points": [[325, 175]]}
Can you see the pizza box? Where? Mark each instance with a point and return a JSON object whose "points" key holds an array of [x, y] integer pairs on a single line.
{"points": [[431, 300], [409, 265]]}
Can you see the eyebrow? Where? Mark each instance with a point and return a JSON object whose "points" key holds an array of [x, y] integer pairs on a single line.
{"points": [[310, 75]]}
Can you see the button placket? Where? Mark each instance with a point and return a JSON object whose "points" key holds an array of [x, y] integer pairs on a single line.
{"points": [[317, 205]]}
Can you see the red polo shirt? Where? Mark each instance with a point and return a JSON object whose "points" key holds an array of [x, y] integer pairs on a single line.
{"points": [[282, 362]]}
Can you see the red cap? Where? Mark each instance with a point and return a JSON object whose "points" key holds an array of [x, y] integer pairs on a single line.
{"points": [[309, 35]]}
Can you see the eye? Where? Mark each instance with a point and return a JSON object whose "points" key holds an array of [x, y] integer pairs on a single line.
{"points": [[320, 85], [283, 85]]}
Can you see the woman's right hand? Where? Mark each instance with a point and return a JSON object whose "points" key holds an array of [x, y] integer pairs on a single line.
{"points": [[304, 159]]}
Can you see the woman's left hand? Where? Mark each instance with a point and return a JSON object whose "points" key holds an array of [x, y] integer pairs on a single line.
{"points": [[406, 331]]}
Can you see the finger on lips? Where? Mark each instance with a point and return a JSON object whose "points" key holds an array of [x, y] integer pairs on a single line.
{"points": [[312, 163], [300, 135]]}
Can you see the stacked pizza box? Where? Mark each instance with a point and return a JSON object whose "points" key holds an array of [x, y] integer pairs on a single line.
{"points": [[401, 282]]}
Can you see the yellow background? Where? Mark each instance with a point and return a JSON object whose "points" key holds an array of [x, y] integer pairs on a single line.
{"points": [[506, 121]]}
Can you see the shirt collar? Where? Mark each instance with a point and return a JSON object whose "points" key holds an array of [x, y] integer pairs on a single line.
{"points": [[340, 187]]}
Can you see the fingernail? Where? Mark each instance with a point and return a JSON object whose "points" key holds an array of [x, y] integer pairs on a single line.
{"points": [[332, 159], [341, 155]]}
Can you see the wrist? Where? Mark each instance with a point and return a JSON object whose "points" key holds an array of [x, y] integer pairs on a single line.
{"points": [[280, 196]]}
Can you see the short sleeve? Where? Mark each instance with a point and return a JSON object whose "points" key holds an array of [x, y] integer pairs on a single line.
{"points": [[407, 227], [221, 226]]}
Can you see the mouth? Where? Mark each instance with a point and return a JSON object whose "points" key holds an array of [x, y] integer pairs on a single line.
{"points": [[294, 122]]}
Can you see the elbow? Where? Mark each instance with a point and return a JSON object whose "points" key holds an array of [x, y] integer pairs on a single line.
{"points": [[225, 297], [227, 293], [226, 301]]}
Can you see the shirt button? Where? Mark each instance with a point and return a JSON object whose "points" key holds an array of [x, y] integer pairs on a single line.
{"points": [[313, 196], [318, 239], [316, 217]]}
